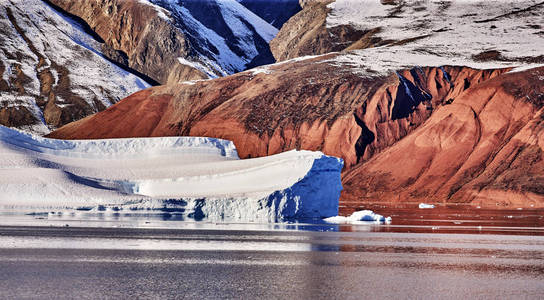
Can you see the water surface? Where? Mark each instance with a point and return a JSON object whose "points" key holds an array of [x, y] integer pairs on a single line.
{"points": [[444, 254]]}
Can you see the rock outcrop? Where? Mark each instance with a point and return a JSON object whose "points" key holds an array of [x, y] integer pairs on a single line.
{"points": [[306, 33], [486, 148]]}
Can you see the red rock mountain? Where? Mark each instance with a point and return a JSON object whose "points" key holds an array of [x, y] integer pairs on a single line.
{"points": [[307, 104], [485, 148]]}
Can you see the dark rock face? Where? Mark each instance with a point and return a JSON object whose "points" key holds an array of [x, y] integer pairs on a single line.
{"points": [[274, 12]]}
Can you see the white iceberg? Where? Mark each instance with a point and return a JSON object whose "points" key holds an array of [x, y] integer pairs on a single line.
{"points": [[425, 205], [359, 217], [202, 178]]}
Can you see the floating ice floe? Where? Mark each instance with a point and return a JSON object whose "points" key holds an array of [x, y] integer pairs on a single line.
{"points": [[360, 217], [425, 205], [201, 178]]}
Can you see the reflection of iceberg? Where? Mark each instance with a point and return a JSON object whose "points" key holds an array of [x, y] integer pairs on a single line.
{"points": [[424, 205], [359, 217], [200, 177]]}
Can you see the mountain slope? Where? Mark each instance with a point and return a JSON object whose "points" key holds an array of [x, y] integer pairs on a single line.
{"points": [[493, 31], [173, 41], [311, 104], [486, 148], [52, 71]]}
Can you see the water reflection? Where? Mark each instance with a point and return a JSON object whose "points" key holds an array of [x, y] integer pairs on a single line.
{"points": [[492, 254], [405, 219]]}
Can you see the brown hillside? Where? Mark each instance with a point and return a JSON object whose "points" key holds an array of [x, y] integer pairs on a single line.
{"points": [[307, 104]]}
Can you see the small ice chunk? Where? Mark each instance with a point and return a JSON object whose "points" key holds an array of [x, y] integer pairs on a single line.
{"points": [[359, 217], [425, 205]]}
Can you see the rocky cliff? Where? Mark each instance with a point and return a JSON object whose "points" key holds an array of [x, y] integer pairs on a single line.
{"points": [[486, 148]]}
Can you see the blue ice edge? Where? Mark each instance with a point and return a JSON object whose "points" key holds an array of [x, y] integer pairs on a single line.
{"points": [[309, 200], [316, 196]]}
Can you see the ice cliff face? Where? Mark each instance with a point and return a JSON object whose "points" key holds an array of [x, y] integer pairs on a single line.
{"points": [[202, 178]]}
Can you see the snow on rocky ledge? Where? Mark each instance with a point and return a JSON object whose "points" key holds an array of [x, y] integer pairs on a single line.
{"points": [[203, 178]]}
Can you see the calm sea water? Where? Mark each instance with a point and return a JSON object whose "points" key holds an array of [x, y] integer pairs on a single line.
{"points": [[424, 254]]}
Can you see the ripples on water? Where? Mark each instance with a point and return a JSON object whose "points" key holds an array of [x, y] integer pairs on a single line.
{"points": [[425, 253], [405, 219]]}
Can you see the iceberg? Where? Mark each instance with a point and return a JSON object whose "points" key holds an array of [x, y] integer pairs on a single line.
{"points": [[359, 217], [425, 205], [201, 178]]}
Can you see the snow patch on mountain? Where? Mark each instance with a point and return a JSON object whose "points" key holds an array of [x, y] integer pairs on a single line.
{"points": [[268, 69], [162, 13], [234, 13], [55, 43], [434, 33], [225, 35], [201, 177]]}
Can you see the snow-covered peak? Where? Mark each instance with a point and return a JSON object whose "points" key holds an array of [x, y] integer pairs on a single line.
{"points": [[483, 34]]}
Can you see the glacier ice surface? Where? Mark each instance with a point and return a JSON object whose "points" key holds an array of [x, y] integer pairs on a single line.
{"points": [[201, 178]]}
